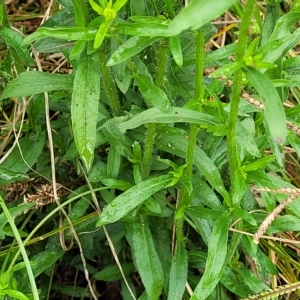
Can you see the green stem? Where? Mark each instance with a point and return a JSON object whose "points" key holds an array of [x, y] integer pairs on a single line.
{"points": [[185, 198], [236, 90], [149, 142], [162, 56], [109, 86], [198, 95], [22, 249]]}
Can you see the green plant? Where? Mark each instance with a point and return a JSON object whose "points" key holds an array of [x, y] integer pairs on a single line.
{"points": [[169, 138]]}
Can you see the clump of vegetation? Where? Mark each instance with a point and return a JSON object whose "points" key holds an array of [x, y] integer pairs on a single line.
{"points": [[149, 150]]}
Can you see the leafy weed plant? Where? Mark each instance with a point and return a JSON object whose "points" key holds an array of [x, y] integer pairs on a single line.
{"points": [[149, 159]]}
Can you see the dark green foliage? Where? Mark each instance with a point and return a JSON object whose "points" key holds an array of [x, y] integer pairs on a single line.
{"points": [[154, 152]]}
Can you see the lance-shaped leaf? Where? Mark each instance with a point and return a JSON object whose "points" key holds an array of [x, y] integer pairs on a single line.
{"points": [[133, 197], [31, 83], [178, 274], [84, 107], [151, 93], [274, 112], [198, 13], [14, 39], [69, 34], [145, 257], [175, 47], [143, 29], [130, 48], [217, 251], [25, 156], [176, 114]]}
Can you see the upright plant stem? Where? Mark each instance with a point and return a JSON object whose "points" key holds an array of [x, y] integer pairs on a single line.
{"points": [[198, 94], [151, 131], [109, 86], [22, 249], [236, 91]]}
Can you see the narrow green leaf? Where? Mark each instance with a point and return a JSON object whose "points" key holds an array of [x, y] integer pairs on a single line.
{"points": [[119, 4], [175, 47], [113, 162], [231, 282], [81, 12], [217, 251], [178, 145], [130, 199], [22, 161], [176, 114], [101, 33], [65, 33], [138, 8], [284, 224], [283, 25], [198, 13], [143, 29], [151, 93], [274, 112], [96, 7], [84, 106], [255, 284], [112, 273], [240, 187], [15, 294], [178, 274], [14, 212], [145, 256], [130, 48], [116, 138], [245, 215], [208, 214], [8, 176], [258, 164], [1, 14], [273, 182], [140, 18], [204, 195], [14, 39], [153, 205], [77, 50], [44, 259], [246, 140], [121, 185], [31, 83], [274, 49]]}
